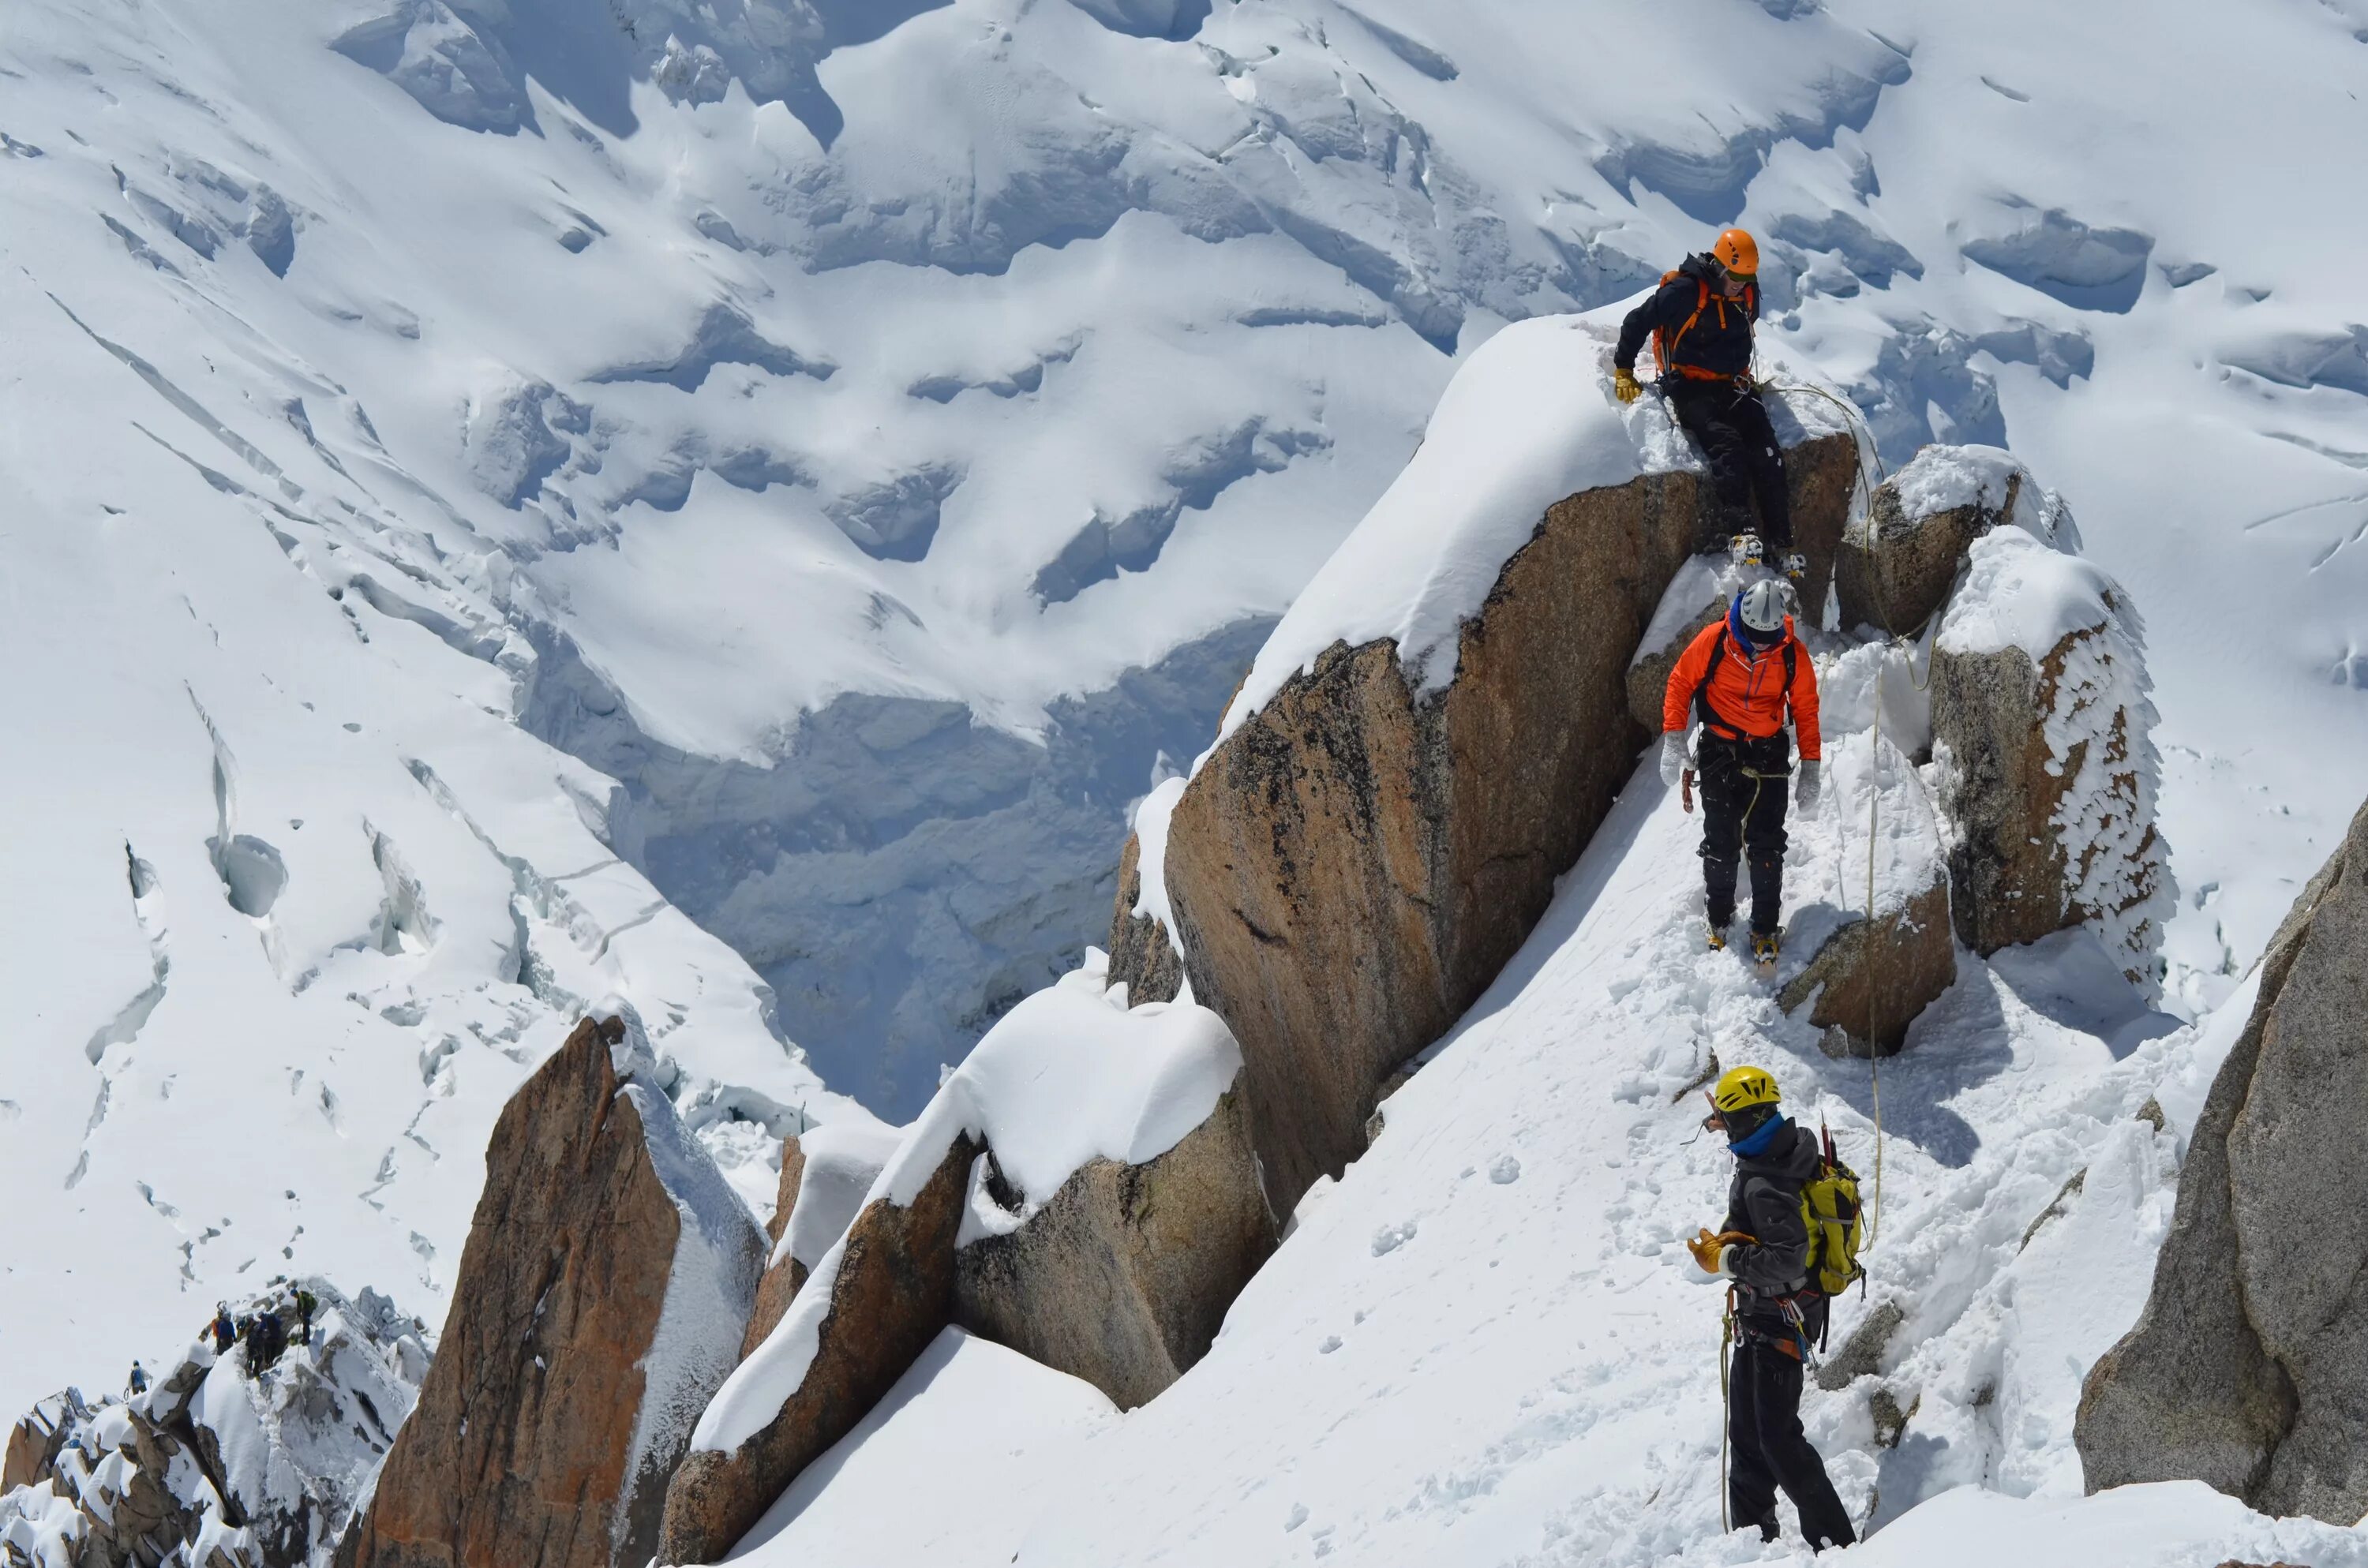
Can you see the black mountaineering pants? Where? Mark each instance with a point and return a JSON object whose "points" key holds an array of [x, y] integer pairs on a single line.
{"points": [[1746, 464], [1769, 1450], [1744, 815]]}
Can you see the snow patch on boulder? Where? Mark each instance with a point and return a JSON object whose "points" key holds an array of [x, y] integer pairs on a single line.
{"points": [[1068, 1076], [1528, 421]]}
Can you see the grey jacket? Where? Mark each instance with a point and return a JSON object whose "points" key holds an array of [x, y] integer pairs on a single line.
{"points": [[1764, 1202]]}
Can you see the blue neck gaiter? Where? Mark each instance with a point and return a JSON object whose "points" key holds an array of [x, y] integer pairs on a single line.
{"points": [[1751, 1148]]}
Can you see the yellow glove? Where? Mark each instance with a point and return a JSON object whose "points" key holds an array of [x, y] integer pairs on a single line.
{"points": [[1708, 1250], [1623, 385]]}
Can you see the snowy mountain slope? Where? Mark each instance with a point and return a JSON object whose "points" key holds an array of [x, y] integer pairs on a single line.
{"points": [[294, 906], [1486, 1344], [1015, 345], [814, 436]]}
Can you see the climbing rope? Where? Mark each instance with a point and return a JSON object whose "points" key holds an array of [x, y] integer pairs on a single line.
{"points": [[1863, 439]]}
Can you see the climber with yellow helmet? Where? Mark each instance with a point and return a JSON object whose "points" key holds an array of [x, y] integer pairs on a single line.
{"points": [[1763, 1251], [1700, 322]]}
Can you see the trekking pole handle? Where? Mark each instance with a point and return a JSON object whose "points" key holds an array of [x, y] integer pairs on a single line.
{"points": [[1686, 790]]}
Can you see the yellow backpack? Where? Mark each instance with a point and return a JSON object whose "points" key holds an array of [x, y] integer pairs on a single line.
{"points": [[1829, 1209]]}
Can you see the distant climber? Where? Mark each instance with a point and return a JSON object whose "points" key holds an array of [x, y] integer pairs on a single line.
{"points": [[265, 1341], [1700, 322], [1763, 1250], [1743, 678], [306, 1305], [223, 1329], [138, 1381]]}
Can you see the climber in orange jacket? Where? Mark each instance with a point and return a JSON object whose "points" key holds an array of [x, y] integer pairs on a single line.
{"points": [[1742, 679]]}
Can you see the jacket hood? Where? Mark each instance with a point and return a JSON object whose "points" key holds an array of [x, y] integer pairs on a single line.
{"points": [[1705, 266]]}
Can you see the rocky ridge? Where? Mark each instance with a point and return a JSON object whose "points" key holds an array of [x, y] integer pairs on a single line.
{"points": [[237, 1458]]}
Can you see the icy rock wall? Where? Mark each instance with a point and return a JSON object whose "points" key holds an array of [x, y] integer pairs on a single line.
{"points": [[905, 873]]}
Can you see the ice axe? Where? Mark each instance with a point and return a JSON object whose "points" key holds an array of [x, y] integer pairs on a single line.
{"points": [[1686, 790]]}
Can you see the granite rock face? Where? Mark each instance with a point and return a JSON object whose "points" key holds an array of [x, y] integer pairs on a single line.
{"points": [[1350, 867], [891, 1291], [1872, 978], [784, 1275], [1123, 1275], [2249, 1369], [601, 1299], [1142, 954]]}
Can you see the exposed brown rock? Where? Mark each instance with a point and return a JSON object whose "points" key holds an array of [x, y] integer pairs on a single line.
{"points": [[1872, 978], [522, 1452], [33, 1445], [1143, 955], [2247, 1368], [1122, 1278], [1648, 678], [1894, 571], [1350, 869], [785, 1276], [893, 1292]]}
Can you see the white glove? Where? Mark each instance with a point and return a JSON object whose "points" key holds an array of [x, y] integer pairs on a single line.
{"points": [[1673, 755], [1810, 786]]}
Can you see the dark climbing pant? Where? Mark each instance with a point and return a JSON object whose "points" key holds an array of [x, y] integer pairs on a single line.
{"points": [[1744, 815], [1745, 464], [1768, 1449]]}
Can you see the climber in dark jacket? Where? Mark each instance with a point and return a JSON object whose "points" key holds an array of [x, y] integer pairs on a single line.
{"points": [[1764, 1253], [1700, 323]]}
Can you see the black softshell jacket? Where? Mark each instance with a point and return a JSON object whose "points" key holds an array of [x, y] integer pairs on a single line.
{"points": [[1720, 339], [1764, 1202]]}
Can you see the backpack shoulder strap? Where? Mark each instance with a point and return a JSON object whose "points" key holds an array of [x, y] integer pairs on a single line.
{"points": [[1701, 691], [1665, 342]]}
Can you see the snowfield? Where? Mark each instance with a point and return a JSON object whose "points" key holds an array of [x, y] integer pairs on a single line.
{"points": [[505, 504]]}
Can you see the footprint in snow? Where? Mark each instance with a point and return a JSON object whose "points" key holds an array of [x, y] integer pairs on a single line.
{"points": [[1506, 1171], [1389, 1238]]}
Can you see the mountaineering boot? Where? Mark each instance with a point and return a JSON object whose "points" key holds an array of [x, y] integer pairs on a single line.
{"points": [[1796, 565], [1745, 550], [1717, 936], [1763, 952]]}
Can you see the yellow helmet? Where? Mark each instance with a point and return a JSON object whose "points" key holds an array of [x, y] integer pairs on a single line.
{"points": [[1742, 1088]]}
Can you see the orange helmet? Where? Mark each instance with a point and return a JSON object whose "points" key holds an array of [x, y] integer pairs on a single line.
{"points": [[1737, 252]]}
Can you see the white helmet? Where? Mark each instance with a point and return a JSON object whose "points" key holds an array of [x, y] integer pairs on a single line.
{"points": [[1763, 608]]}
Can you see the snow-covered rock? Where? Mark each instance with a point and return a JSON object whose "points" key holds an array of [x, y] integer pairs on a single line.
{"points": [[2042, 725], [1070, 1080], [1900, 555], [225, 1461], [1440, 722], [1122, 1275], [601, 1299], [2245, 1370], [1143, 955], [825, 1176]]}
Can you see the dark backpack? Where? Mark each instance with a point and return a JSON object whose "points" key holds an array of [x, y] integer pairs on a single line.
{"points": [[1665, 342]]}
